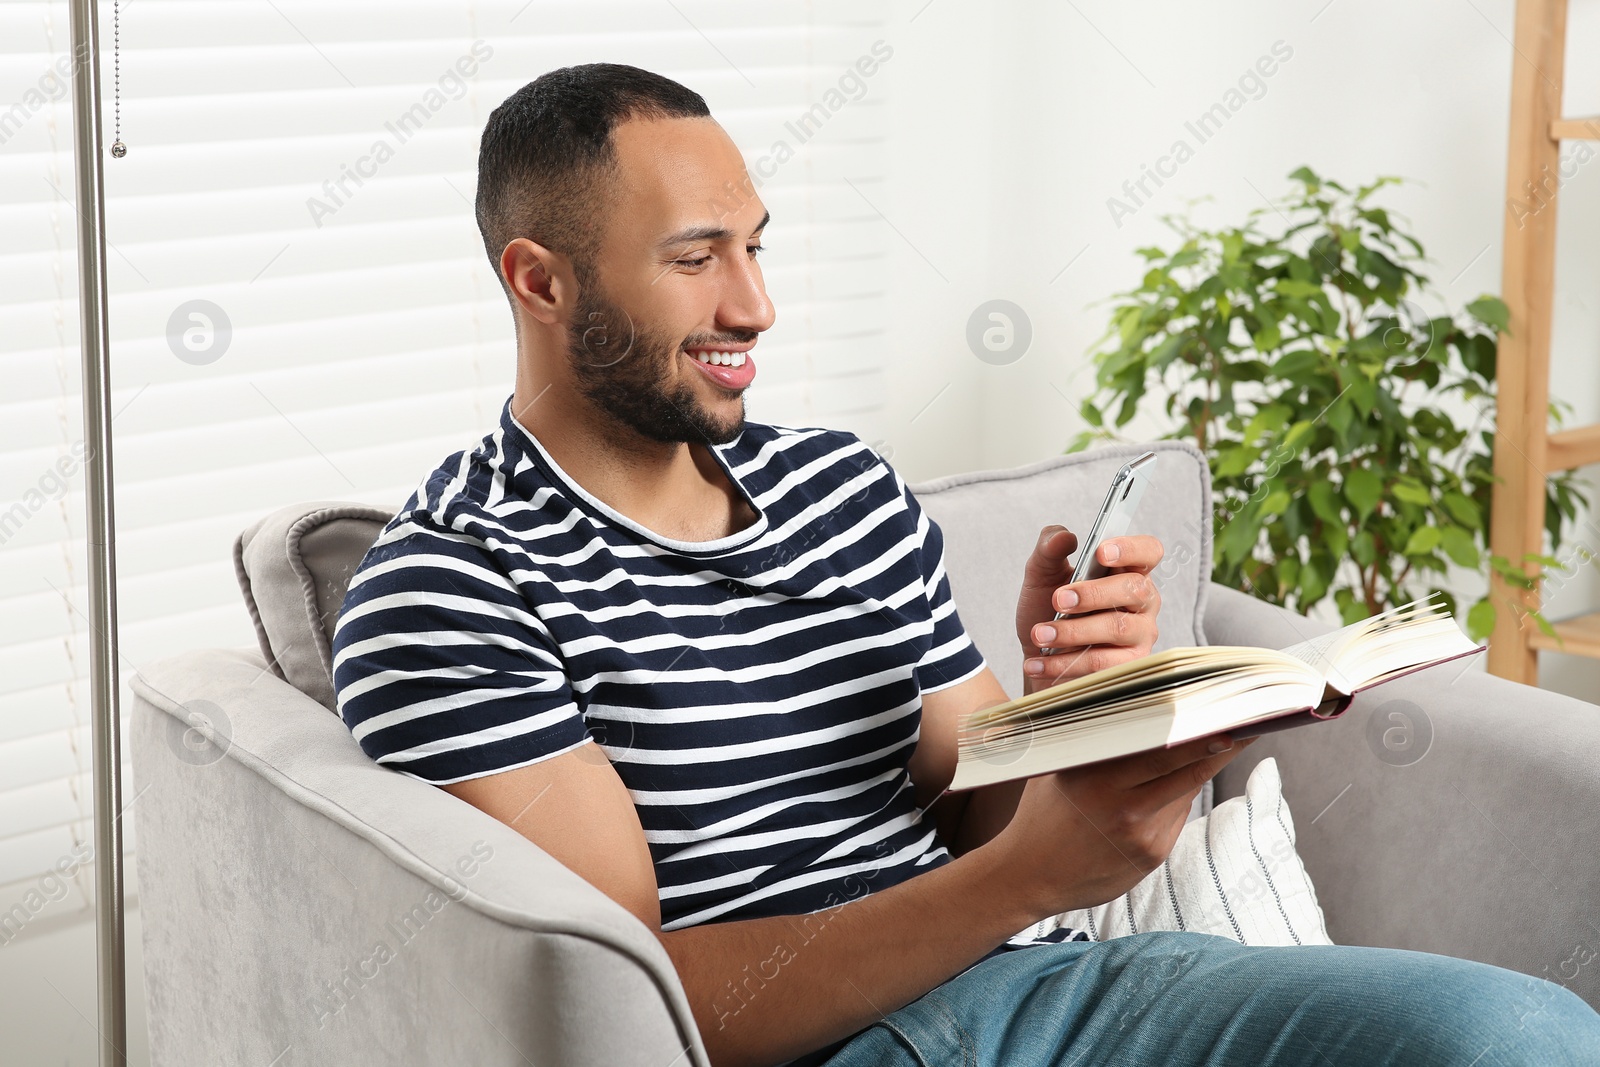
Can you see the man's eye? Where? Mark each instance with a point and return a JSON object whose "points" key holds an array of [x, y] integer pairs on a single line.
{"points": [[754, 249], [702, 261]]}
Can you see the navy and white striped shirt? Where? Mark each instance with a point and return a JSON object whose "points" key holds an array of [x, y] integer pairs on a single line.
{"points": [[759, 695]]}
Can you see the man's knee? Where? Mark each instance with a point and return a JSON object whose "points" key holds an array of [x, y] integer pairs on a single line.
{"points": [[1494, 1016]]}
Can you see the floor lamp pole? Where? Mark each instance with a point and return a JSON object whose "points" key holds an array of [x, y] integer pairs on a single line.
{"points": [[95, 341]]}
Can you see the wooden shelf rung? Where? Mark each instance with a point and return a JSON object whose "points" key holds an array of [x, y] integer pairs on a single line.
{"points": [[1573, 448], [1579, 636], [1584, 129]]}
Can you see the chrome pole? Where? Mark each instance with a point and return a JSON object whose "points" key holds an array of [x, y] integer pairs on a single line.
{"points": [[95, 343]]}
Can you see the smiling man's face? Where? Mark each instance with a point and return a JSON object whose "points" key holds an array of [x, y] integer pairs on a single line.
{"points": [[661, 336]]}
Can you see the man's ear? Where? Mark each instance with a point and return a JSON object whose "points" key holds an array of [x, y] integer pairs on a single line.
{"points": [[541, 281]]}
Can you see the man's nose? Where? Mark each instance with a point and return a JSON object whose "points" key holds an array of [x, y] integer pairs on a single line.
{"points": [[745, 304]]}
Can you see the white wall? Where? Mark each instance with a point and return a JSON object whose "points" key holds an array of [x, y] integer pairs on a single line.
{"points": [[1018, 132]]}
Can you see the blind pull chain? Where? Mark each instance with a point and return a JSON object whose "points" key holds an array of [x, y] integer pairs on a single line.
{"points": [[118, 149]]}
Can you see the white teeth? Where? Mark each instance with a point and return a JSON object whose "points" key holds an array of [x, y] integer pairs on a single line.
{"points": [[720, 359]]}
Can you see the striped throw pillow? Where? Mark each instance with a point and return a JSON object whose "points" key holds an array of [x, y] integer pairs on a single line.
{"points": [[1234, 873]]}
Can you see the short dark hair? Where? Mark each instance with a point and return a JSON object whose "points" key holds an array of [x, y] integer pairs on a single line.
{"points": [[546, 159]]}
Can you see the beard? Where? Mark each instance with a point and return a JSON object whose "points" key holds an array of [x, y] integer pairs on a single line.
{"points": [[625, 371]]}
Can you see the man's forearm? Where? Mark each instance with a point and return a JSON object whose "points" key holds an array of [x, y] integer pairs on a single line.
{"points": [[767, 990], [987, 813]]}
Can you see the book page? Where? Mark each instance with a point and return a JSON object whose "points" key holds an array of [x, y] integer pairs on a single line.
{"points": [[1160, 671], [1393, 641], [1322, 654]]}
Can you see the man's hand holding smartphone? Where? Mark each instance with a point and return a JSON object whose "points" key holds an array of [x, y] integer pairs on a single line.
{"points": [[1136, 804], [1109, 620]]}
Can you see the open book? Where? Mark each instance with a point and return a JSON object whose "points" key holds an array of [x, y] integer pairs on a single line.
{"points": [[1184, 693]]}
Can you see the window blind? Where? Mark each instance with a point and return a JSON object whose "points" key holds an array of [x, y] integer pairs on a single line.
{"points": [[298, 313]]}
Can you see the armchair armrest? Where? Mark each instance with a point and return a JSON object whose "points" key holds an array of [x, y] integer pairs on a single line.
{"points": [[295, 895], [1448, 812]]}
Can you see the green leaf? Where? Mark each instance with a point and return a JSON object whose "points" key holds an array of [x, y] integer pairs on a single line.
{"points": [[1423, 540], [1269, 419], [1363, 487], [1130, 407], [1459, 546], [1364, 548], [1324, 501], [1296, 438], [1351, 610], [1233, 461], [1338, 538], [1480, 620], [1412, 494], [1128, 322], [1298, 362], [1340, 416], [1165, 352], [1492, 311], [1462, 509], [1290, 287], [1238, 538], [1268, 337], [1544, 625], [1314, 579], [1307, 177]]}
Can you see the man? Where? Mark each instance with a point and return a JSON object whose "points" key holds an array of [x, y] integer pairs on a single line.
{"points": [[715, 668]]}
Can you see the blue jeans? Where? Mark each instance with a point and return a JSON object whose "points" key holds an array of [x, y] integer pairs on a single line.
{"points": [[1163, 998]]}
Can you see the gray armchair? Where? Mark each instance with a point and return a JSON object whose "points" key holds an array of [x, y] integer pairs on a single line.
{"points": [[302, 905]]}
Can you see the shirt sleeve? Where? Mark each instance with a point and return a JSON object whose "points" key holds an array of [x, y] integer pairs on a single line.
{"points": [[951, 657], [441, 670]]}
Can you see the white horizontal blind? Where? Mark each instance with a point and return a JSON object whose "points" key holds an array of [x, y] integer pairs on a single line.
{"points": [[367, 337]]}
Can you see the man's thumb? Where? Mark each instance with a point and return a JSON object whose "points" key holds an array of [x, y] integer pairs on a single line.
{"points": [[1047, 563]]}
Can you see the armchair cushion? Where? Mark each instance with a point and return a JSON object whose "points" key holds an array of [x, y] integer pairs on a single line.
{"points": [[294, 566]]}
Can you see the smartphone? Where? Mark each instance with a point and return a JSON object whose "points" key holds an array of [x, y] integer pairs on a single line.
{"points": [[1114, 519]]}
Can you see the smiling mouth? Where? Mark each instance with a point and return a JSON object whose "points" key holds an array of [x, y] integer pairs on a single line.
{"points": [[730, 370]]}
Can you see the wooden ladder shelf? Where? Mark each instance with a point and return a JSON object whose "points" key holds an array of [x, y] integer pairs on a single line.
{"points": [[1525, 451]]}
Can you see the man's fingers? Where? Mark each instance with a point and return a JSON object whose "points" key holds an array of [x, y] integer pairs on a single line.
{"points": [[1145, 767], [1187, 780], [1124, 628], [1042, 575], [1075, 662], [1131, 591], [1139, 552]]}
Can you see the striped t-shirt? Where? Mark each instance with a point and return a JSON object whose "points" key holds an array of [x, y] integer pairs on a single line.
{"points": [[759, 695]]}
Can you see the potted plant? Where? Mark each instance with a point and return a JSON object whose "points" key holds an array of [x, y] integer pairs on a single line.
{"points": [[1349, 432]]}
